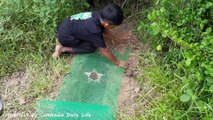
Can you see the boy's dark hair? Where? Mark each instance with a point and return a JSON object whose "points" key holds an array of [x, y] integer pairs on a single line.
{"points": [[112, 14]]}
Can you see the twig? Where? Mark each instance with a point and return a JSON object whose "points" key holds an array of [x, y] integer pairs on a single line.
{"points": [[123, 4]]}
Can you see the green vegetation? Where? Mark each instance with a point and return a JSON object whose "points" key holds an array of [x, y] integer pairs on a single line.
{"points": [[183, 39], [27, 33], [39, 80], [28, 28]]}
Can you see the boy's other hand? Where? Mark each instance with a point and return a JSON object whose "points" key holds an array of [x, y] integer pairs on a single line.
{"points": [[122, 63]]}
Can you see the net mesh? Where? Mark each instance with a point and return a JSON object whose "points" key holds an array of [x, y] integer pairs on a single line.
{"points": [[90, 88]]}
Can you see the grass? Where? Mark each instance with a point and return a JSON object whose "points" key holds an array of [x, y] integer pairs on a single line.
{"points": [[161, 100], [167, 73], [159, 94], [162, 80], [27, 33], [40, 80], [163, 90], [27, 72], [28, 28]]}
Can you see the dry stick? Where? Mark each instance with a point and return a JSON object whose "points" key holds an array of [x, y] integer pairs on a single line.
{"points": [[132, 16], [136, 3], [118, 2], [123, 3]]}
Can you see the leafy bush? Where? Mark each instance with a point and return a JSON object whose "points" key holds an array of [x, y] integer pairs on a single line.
{"points": [[185, 36], [28, 28]]}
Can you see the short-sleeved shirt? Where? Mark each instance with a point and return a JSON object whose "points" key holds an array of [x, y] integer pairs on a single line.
{"points": [[82, 27]]}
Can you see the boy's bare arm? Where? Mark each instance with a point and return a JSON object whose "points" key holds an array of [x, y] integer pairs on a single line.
{"points": [[109, 55]]}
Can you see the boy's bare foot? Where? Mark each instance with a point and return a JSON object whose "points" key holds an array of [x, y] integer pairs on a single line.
{"points": [[57, 51], [60, 49], [65, 49]]}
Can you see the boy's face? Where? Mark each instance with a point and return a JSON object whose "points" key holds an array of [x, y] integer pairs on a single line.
{"points": [[108, 26]]}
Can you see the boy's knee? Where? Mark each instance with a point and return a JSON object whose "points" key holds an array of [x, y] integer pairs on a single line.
{"points": [[88, 47], [83, 50], [91, 49]]}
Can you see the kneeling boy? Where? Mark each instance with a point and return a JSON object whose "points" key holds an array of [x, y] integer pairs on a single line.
{"points": [[83, 32]]}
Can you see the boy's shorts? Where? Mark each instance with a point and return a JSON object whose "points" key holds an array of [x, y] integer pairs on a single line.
{"points": [[78, 46], [68, 41]]}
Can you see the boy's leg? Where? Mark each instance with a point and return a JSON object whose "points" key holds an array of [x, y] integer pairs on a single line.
{"points": [[59, 48], [84, 47]]}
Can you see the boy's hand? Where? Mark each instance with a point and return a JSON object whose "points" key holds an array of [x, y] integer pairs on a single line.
{"points": [[122, 63], [111, 57]]}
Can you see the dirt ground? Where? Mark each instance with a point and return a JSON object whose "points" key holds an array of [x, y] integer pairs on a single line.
{"points": [[130, 88], [15, 85]]}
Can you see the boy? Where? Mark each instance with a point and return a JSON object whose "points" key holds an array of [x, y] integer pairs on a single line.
{"points": [[83, 32]]}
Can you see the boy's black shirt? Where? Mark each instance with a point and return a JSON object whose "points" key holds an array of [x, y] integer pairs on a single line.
{"points": [[83, 30]]}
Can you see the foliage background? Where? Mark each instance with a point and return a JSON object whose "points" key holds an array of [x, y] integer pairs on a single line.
{"points": [[27, 28], [183, 38]]}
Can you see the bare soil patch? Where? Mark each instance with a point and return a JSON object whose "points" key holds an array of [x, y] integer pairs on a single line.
{"points": [[130, 88]]}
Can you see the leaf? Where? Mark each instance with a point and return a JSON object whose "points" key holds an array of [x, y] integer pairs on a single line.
{"points": [[86, 5], [155, 29], [157, 2], [164, 35], [185, 98], [211, 88], [159, 47], [198, 76], [194, 97], [208, 30], [149, 16], [162, 10], [201, 26], [209, 4], [141, 26], [189, 92], [204, 21], [209, 80], [188, 62], [201, 106], [152, 15]]}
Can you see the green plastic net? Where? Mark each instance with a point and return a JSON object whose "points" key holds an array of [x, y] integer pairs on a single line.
{"points": [[89, 90]]}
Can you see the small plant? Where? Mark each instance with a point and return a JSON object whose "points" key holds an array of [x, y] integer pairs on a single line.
{"points": [[185, 36]]}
